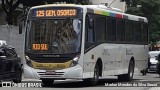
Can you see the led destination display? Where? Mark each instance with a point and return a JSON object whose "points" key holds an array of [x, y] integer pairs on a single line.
{"points": [[56, 13]]}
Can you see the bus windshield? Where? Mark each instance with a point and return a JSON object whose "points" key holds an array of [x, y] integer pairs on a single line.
{"points": [[57, 36]]}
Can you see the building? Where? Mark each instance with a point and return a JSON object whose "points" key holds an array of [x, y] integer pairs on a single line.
{"points": [[112, 3]]}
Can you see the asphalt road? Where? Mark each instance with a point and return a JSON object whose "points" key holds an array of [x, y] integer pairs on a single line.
{"points": [[111, 83], [151, 81]]}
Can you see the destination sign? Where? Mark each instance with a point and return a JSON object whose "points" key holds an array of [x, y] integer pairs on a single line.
{"points": [[56, 13], [41, 47]]}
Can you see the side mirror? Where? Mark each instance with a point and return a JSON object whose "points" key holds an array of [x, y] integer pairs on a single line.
{"points": [[2, 57], [20, 27], [90, 24]]}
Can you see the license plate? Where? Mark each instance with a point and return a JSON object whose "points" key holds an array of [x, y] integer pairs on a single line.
{"points": [[50, 72]]}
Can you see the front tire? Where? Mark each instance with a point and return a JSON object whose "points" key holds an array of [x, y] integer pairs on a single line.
{"points": [[93, 81], [129, 75]]}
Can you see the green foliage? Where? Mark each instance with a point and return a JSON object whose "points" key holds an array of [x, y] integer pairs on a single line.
{"points": [[151, 10], [83, 2], [30, 3], [16, 15], [9, 7]]}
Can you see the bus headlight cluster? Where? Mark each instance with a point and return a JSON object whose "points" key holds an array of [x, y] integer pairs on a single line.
{"points": [[75, 61], [28, 61]]}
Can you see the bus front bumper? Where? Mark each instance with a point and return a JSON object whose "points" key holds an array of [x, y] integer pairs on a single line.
{"points": [[69, 73]]}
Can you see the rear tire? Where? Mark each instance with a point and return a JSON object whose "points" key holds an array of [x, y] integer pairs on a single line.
{"points": [[47, 82], [129, 75]]}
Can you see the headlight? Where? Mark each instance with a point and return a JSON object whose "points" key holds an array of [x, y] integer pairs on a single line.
{"points": [[75, 60], [28, 61]]}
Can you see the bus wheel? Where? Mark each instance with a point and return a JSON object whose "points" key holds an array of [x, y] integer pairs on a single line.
{"points": [[93, 81], [47, 83], [129, 75], [96, 75]]}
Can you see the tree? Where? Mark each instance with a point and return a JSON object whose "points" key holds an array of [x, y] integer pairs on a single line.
{"points": [[30, 3], [151, 10], [69, 1], [9, 7]]}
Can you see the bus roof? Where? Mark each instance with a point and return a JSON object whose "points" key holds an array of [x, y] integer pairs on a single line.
{"points": [[100, 9], [113, 12], [57, 5]]}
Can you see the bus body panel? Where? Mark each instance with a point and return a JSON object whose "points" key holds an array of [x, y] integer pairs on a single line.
{"points": [[115, 58], [69, 73]]}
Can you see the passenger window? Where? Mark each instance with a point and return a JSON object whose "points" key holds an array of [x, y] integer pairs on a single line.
{"points": [[111, 29], [120, 30], [137, 32], [99, 26], [144, 35], [129, 32]]}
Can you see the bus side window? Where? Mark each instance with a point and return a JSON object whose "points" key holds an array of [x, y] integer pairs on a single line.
{"points": [[89, 32], [137, 32], [120, 31], [144, 33]]}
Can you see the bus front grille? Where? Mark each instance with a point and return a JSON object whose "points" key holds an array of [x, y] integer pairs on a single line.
{"points": [[52, 74]]}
